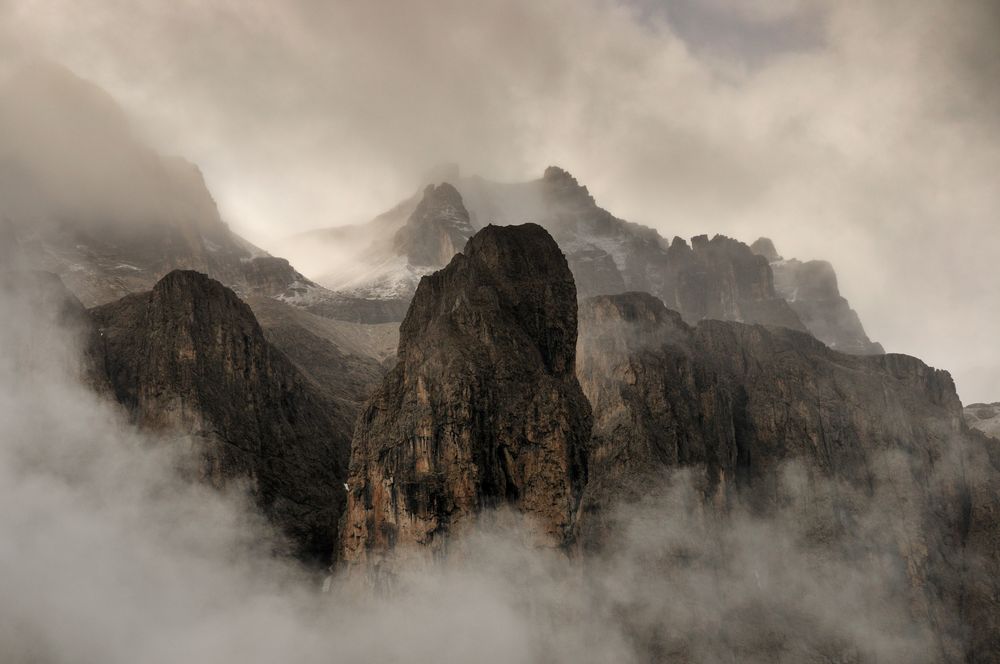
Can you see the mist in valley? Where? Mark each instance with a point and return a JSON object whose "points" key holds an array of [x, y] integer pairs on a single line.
{"points": [[860, 133]]}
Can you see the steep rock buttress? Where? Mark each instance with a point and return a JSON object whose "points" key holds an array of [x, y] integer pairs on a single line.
{"points": [[482, 410]]}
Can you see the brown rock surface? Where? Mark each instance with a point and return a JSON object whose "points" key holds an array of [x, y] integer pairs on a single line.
{"points": [[483, 408]]}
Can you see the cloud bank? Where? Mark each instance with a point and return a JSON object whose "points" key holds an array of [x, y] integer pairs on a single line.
{"points": [[860, 132], [109, 555]]}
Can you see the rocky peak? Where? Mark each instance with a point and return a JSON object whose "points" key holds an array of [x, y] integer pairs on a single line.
{"points": [[811, 289], [721, 278], [765, 247], [272, 276], [483, 408], [561, 187], [521, 276], [189, 360], [436, 230]]}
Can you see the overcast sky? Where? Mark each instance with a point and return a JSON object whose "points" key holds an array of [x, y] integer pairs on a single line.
{"points": [[867, 133]]}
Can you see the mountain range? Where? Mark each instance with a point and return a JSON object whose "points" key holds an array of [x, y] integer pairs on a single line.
{"points": [[502, 346]]}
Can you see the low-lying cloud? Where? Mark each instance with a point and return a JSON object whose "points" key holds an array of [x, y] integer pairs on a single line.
{"points": [[109, 555]]}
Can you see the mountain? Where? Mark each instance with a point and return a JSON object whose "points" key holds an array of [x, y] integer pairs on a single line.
{"points": [[878, 438], [90, 202], [717, 277], [189, 360], [482, 408], [985, 417], [811, 289], [434, 231], [865, 456]]}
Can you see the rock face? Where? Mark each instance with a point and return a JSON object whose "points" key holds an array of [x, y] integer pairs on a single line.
{"points": [[741, 399], [190, 357], [483, 408], [738, 402], [811, 289], [437, 229], [984, 417], [345, 361], [722, 279]]}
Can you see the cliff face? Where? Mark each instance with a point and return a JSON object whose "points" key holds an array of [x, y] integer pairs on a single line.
{"points": [[343, 360], [811, 289], [741, 399], [720, 278], [737, 403], [189, 357], [483, 408]]}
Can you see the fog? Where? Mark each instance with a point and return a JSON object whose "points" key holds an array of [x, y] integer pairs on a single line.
{"points": [[864, 133], [110, 555]]}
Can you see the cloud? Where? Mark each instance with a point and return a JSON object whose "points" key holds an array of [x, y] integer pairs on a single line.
{"points": [[109, 555], [864, 133]]}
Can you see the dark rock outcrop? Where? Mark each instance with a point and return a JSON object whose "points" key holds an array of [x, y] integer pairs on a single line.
{"points": [[189, 357], [483, 408], [811, 289], [737, 403]]}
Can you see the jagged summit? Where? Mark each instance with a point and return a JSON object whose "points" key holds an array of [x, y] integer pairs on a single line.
{"points": [[564, 188]]}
